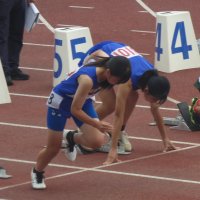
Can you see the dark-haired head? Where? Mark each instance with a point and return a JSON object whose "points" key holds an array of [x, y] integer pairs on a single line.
{"points": [[118, 67], [159, 87], [154, 85]]}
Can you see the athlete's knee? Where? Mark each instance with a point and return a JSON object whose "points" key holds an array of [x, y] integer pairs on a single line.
{"points": [[98, 141]]}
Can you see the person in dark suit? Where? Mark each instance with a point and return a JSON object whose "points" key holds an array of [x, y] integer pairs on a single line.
{"points": [[12, 20]]}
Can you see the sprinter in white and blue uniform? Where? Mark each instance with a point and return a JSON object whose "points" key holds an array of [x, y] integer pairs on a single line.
{"points": [[71, 98], [144, 77]]}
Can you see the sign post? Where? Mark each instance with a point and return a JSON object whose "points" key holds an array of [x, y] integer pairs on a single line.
{"points": [[4, 94], [176, 44], [70, 46]]}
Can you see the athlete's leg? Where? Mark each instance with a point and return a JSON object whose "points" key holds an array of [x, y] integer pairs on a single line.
{"points": [[55, 123], [130, 105], [53, 147], [89, 136], [107, 106]]}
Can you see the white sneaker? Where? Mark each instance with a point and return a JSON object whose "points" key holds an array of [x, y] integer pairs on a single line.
{"points": [[106, 148], [69, 150], [3, 173], [124, 139], [38, 180]]}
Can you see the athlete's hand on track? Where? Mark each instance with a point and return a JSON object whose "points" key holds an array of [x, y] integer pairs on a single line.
{"points": [[112, 157], [169, 147]]}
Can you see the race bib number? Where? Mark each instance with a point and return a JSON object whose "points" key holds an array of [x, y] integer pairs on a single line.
{"points": [[126, 51], [54, 100]]}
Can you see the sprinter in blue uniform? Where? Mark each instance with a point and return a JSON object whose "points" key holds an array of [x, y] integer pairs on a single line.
{"points": [[71, 98], [143, 76]]}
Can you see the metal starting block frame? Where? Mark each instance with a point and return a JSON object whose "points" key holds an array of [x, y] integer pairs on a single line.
{"points": [[177, 123], [182, 121]]}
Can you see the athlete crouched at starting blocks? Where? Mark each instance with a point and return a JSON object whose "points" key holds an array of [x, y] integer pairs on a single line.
{"points": [[143, 77], [71, 98]]}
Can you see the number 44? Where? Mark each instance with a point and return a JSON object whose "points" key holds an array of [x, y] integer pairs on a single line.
{"points": [[184, 48]]}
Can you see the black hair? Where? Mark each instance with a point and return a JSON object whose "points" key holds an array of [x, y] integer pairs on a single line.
{"points": [[158, 86], [145, 78], [119, 66]]}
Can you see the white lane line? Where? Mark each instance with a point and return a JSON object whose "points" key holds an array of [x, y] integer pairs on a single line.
{"points": [[15, 185], [49, 45], [98, 169], [46, 23], [41, 45], [45, 97], [101, 166], [153, 156], [52, 177], [146, 8], [152, 177], [159, 140], [173, 100], [161, 108], [29, 95], [22, 125], [111, 172], [37, 69], [82, 7], [143, 11], [140, 31], [130, 137]]}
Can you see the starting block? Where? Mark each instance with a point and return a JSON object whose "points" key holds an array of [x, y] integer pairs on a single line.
{"points": [[184, 110], [182, 122], [3, 174]]}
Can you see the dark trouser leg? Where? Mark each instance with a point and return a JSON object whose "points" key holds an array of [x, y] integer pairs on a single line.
{"points": [[5, 7], [16, 30], [15, 42]]}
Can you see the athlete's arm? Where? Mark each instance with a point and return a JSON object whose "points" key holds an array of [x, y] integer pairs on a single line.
{"points": [[168, 146], [84, 87], [123, 92], [94, 55]]}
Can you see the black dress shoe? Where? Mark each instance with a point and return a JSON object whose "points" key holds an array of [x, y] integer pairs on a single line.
{"points": [[19, 75], [9, 80]]}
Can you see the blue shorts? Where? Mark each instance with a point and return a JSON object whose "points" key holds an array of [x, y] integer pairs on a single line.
{"points": [[57, 118]]}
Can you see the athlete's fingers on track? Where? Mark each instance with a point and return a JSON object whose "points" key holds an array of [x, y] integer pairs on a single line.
{"points": [[171, 149], [110, 161]]}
